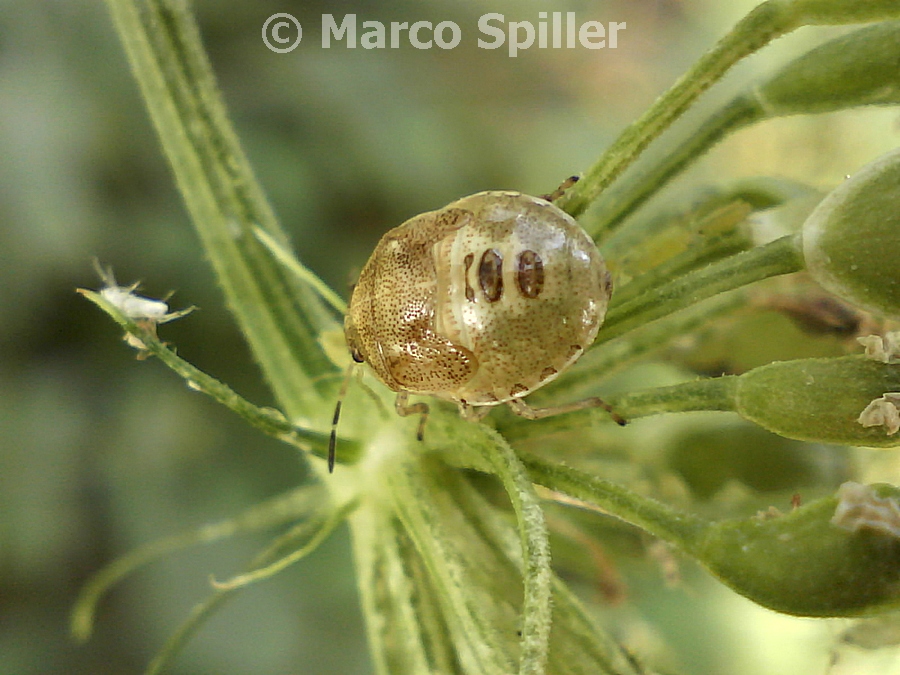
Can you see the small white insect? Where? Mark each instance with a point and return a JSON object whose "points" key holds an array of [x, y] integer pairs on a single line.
{"points": [[147, 312]]}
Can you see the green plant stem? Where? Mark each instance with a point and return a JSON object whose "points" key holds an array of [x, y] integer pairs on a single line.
{"points": [[537, 574], [268, 514], [616, 205], [681, 529], [715, 393], [617, 354], [706, 394], [320, 534], [697, 254], [856, 69], [297, 536], [765, 23], [223, 197], [425, 496], [267, 420], [289, 261], [781, 256], [572, 624]]}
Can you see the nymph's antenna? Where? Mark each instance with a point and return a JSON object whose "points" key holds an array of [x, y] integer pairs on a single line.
{"points": [[332, 441]]}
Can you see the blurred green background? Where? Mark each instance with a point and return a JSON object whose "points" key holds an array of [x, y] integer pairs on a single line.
{"points": [[100, 453]]}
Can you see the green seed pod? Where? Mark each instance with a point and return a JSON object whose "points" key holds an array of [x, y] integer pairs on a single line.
{"points": [[855, 69], [838, 556], [851, 240], [818, 399]]}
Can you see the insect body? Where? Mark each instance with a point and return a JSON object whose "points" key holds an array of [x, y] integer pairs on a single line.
{"points": [[146, 312], [479, 303]]}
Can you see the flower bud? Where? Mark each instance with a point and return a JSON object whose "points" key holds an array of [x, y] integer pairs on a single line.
{"points": [[818, 400], [851, 241]]}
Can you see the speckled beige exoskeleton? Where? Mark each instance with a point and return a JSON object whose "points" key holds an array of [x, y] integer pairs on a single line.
{"points": [[480, 303]]}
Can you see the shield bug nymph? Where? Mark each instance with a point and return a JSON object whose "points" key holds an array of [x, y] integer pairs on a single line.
{"points": [[480, 303]]}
